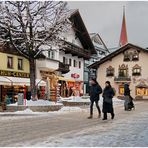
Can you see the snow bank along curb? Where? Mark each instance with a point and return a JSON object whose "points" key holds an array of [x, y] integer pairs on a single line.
{"points": [[75, 101], [36, 106]]}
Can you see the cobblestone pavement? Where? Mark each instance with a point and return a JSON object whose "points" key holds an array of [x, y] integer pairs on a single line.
{"points": [[129, 128]]}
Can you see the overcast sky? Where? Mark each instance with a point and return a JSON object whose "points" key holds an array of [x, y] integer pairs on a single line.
{"points": [[105, 18]]}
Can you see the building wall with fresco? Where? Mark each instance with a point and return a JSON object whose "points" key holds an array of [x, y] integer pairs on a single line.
{"points": [[123, 69]]}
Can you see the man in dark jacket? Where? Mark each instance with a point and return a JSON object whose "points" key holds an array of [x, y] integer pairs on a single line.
{"points": [[108, 95], [95, 90]]}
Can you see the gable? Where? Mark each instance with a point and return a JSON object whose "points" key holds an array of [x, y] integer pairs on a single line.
{"points": [[71, 37], [121, 50]]}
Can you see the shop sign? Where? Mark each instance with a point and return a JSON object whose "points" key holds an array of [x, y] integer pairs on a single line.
{"points": [[75, 75], [14, 74]]}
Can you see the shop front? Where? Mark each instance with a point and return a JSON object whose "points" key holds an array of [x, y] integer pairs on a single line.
{"points": [[70, 87], [12, 83]]}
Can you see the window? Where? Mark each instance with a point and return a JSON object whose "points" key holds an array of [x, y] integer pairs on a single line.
{"points": [[126, 56], [20, 64], [79, 64], [10, 62], [51, 54], [136, 70], [121, 89], [64, 60], [135, 56], [110, 71], [69, 62], [123, 70], [75, 63], [131, 56]]}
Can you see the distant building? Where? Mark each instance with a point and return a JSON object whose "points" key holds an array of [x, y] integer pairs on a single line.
{"points": [[101, 51]]}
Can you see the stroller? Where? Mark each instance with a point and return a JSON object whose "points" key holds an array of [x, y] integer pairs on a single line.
{"points": [[128, 104]]}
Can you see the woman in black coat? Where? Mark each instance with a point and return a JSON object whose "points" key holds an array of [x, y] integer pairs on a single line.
{"points": [[108, 94], [95, 91]]}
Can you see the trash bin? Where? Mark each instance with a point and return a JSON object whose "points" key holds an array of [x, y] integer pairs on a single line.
{"points": [[20, 99]]}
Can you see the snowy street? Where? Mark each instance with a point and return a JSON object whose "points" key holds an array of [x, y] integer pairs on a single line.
{"points": [[129, 128]]}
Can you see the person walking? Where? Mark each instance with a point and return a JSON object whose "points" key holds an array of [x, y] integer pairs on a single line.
{"points": [[95, 91], [108, 94], [128, 104]]}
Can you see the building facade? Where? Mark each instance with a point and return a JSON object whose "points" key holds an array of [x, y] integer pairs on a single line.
{"points": [[63, 67], [126, 65], [101, 51], [14, 75]]}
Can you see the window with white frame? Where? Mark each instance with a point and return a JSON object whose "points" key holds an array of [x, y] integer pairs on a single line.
{"points": [[9, 62], [51, 54], [20, 64]]}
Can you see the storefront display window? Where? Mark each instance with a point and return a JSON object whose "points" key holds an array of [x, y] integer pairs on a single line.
{"points": [[142, 91], [121, 90]]}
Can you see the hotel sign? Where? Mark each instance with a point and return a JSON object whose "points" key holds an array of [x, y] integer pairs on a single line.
{"points": [[14, 74]]}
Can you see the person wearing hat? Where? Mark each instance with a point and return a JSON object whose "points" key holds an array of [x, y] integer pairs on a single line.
{"points": [[108, 94], [95, 91]]}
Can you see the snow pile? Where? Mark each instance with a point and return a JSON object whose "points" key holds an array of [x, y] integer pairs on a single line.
{"points": [[38, 103], [79, 99], [26, 111], [117, 101], [70, 109], [74, 99]]}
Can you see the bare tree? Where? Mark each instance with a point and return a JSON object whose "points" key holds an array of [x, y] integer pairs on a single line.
{"points": [[28, 26]]}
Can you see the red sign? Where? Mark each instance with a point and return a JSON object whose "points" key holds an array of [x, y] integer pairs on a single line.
{"points": [[75, 75]]}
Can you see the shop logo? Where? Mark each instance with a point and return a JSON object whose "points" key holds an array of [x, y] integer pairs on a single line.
{"points": [[75, 75]]}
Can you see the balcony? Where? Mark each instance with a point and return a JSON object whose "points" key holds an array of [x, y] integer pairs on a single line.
{"points": [[76, 50], [64, 68], [47, 64], [122, 79]]}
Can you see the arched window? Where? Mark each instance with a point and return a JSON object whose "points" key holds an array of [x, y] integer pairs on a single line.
{"points": [[123, 70], [110, 71], [136, 70]]}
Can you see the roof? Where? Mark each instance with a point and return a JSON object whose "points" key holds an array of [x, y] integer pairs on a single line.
{"points": [[115, 53], [96, 38], [81, 31]]}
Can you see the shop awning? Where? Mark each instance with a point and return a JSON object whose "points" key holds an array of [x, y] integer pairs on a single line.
{"points": [[4, 81], [65, 79], [19, 81]]}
